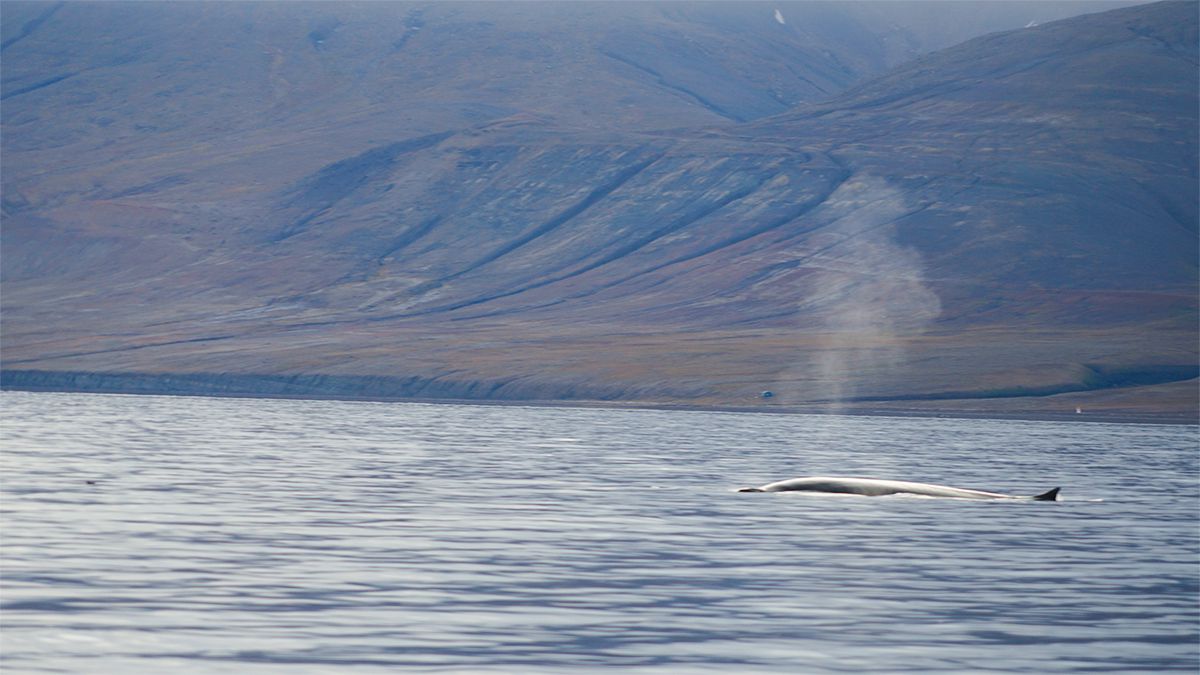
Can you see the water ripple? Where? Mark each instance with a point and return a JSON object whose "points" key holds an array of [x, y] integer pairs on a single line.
{"points": [[147, 534]]}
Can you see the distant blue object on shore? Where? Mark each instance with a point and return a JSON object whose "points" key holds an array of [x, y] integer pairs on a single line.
{"points": [[768, 394]]}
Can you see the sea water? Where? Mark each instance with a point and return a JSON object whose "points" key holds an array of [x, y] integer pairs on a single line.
{"points": [[167, 534]]}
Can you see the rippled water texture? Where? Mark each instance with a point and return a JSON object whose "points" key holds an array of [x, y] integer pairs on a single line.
{"points": [[247, 536]]}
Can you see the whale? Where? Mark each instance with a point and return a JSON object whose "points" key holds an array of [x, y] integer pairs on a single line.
{"points": [[876, 487]]}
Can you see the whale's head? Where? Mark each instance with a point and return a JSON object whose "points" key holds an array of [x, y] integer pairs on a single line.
{"points": [[750, 490]]}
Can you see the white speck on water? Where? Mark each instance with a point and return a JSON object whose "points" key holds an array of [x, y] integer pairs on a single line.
{"points": [[779, 17]]}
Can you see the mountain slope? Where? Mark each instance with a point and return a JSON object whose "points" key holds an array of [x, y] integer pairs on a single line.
{"points": [[1012, 218], [1075, 140]]}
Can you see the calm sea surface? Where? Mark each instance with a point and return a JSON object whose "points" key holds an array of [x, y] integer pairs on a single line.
{"points": [[248, 536]]}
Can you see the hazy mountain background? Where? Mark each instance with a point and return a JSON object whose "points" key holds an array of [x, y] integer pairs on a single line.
{"points": [[894, 204]]}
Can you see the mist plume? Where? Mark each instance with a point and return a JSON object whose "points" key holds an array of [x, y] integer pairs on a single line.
{"points": [[866, 293]]}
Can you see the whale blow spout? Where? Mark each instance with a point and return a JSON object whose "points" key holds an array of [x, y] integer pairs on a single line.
{"points": [[875, 487]]}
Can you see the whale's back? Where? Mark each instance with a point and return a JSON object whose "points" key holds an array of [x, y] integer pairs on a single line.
{"points": [[875, 487]]}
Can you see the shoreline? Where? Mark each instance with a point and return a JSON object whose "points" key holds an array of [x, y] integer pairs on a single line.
{"points": [[850, 410]]}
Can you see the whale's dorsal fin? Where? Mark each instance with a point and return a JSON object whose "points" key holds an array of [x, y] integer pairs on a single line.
{"points": [[1050, 496]]}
